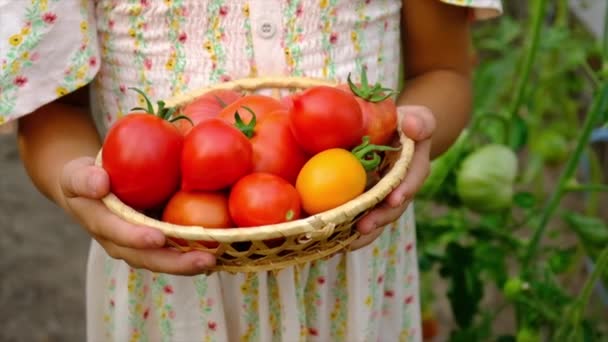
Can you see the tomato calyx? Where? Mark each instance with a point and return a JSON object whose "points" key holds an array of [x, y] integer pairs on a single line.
{"points": [[247, 128], [367, 92], [368, 153], [163, 112]]}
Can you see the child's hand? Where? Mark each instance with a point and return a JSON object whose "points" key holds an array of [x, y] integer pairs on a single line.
{"points": [[419, 125], [83, 185]]}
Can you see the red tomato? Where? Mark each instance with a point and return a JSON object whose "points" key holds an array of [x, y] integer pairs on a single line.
{"points": [[379, 117], [215, 155], [263, 198], [205, 209], [259, 104], [141, 154], [275, 150], [207, 106], [326, 117]]}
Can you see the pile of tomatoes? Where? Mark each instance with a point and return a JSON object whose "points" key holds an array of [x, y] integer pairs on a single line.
{"points": [[229, 159]]}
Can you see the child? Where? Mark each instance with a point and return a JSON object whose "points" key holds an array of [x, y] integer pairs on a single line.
{"points": [[57, 53]]}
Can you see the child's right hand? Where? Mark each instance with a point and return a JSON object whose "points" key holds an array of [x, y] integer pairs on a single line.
{"points": [[83, 185]]}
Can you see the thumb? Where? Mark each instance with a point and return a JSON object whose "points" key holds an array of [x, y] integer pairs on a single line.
{"points": [[81, 178], [418, 122]]}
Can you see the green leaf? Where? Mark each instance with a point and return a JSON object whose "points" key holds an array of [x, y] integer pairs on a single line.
{"points": [[561, 260], [525, 200], [465, 287], [589, 229]]}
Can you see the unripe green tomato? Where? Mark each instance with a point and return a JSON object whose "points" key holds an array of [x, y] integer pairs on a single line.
{"points": [[513, 287], [486, 177], [527, 335], [551, 146]]}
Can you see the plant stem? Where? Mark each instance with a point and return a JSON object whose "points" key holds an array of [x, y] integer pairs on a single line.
{"points": [[591, 75], [599, 106], [588, 187], [499, 235], [601, 267], [605, 42], [529, 57], [538, 306]]}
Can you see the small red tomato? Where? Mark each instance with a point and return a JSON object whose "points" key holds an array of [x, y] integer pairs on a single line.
{"points": [[204, 209], [378, 108], [259, 104], [214, 156], [207, 106], [141, 154], [325, 117], [275, 150], [261, 199]]}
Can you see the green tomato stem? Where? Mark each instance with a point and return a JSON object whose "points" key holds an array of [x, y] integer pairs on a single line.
{"points": [[375, 93], [247, 128], [587, 187], [605, 44], [182, 117], [163, 112], [367, 153], [528, 59], [570, 326], [599, 106]]}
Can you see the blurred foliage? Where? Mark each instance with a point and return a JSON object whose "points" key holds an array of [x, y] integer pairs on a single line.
{"points": [[539, 90]]}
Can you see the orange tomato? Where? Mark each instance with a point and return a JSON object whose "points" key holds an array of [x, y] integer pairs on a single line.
{"points": [[330, 179]]}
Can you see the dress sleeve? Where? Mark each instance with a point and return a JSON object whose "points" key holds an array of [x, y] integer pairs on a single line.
{"points": [[480, 9], [48, 48]]}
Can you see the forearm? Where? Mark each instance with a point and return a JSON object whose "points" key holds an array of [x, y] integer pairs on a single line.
{"points": [[448, 95], [51, 137]]}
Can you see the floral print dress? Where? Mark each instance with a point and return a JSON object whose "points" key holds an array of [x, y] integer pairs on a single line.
{"points": [[49, 48]]}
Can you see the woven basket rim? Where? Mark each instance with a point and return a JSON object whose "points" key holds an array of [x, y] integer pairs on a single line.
{"points": [[321, 223]]}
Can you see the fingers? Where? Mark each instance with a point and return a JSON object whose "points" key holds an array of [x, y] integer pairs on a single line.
{"points": [[379, 217], [416, 175], [103, 224], [162, 260], [365, 240], [81, 178], [418, 122]]}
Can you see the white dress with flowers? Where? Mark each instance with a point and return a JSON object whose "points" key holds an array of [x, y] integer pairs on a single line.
{"points": [[49, 48]]}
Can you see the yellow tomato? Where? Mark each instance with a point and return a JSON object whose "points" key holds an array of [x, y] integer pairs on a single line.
{"points": [[329, 179]]}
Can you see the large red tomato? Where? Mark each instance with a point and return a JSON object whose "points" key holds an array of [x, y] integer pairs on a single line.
{"points": [[263, 198], [261, 105], [325, 117], [214, 156], [205, 209], [141, 154], [207, 106], [275, 150], [379, 111]]}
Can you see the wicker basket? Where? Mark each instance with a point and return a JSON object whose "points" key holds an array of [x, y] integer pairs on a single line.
{"points": [[311, 238]]}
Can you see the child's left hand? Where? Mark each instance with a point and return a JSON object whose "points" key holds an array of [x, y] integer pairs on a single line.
{"points": [[418, 124]]}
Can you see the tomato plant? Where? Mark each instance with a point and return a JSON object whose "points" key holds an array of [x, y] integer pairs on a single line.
{"points": [[141, 156], [206, 106], [263, 198], [325, 117], [524, 248], [378, 109], [215, 155], [205, 209]]}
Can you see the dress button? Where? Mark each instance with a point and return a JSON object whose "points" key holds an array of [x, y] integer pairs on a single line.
{"points": [[266, 30]]}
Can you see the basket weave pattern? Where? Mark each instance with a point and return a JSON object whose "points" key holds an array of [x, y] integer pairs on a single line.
{"points": [[273, 247]]}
